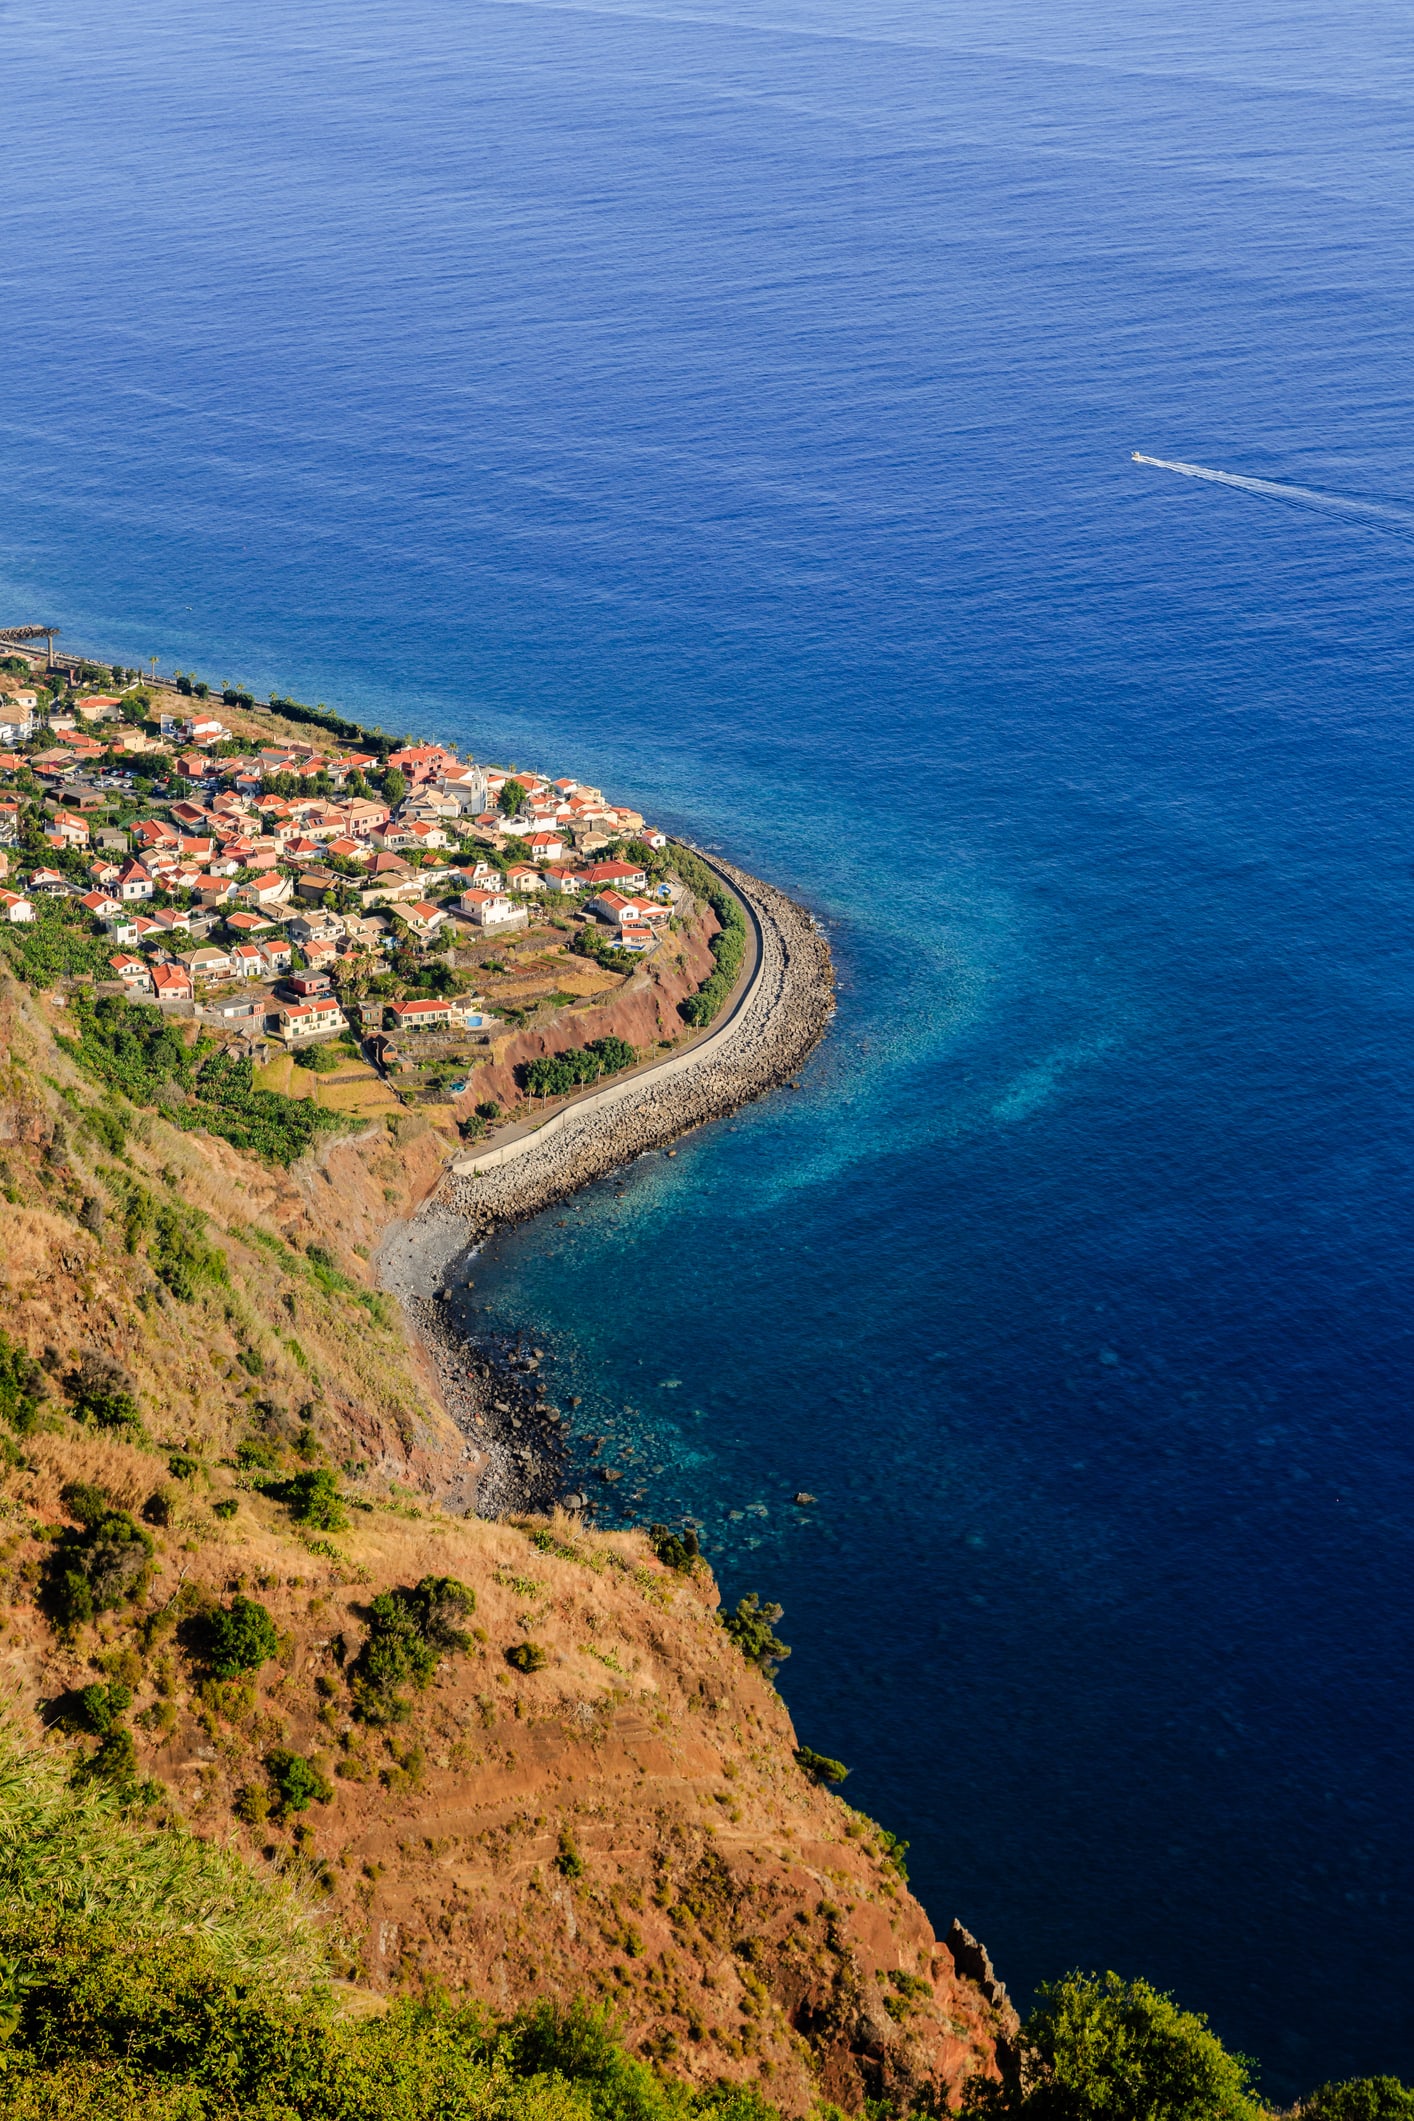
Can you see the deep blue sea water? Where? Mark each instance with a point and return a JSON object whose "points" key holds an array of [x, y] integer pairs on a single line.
{"points": [[733, 404]]}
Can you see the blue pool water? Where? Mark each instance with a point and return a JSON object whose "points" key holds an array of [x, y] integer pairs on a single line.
{"points": [[733, 404]]}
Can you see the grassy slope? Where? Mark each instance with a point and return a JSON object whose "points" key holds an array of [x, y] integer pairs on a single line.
{"points": [[741, 1920]]}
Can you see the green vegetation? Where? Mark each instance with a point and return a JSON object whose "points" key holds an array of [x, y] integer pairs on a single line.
{"points": [[297, 1783], [555, 1074], [674, 1552], [102, 1394], [240, 1638], [728, 945], [409, 1632], [180, 1256], [750, 1628], [1363, 2099], [22, 1387], [527, 1656], [144, 1055], [320, 718], [67, 1855], [1112, 2050], [104, 1706], [819, 1766], [569, 1863], [313, 1498], [168, 2034], [592, 942], [59, 943], [100, 1564]]}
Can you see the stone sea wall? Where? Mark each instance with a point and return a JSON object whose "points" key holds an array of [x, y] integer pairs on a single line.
{"points": [[781, 1017]]}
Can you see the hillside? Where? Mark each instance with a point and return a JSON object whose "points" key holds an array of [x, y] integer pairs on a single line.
{"points": [[594, 1792]]}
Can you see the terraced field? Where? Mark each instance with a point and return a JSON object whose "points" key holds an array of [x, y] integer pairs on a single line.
{"points": [[353, 1087]]}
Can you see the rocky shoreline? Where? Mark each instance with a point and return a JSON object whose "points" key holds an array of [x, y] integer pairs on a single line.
{"points": [[493, 1390]]}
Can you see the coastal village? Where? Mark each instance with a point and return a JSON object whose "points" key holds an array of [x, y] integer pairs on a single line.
{"points": [[372, 921]]}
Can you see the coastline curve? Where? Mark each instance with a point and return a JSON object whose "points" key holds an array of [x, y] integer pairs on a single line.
{"points": [[777, 1017]]}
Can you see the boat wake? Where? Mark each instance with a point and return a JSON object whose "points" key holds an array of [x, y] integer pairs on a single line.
{"points": [[1370, 515]]}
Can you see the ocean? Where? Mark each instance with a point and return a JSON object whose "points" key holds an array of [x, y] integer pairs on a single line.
{"points": [[733, 404]]}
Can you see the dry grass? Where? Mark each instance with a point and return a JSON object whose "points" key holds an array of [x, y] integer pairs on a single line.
{"points": [[126, 1473], [276, 1073], [369, 1096]]}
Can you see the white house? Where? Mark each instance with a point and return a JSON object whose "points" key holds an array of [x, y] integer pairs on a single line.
{"points": [[300, 1021], [492, 909], [133, 972], [15, 908]]}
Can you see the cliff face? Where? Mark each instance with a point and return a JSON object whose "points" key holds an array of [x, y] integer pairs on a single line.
{"points": [[627, 1820]]}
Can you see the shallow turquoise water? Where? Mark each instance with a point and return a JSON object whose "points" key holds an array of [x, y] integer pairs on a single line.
{"points": [[733, 405]]}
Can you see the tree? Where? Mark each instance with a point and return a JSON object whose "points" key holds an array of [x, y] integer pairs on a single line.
{"points": [[750, 1628], [1363, 2099], [1113, 2050], [240, 1638], [298, 1782], [819, 1766], [395, 786]]}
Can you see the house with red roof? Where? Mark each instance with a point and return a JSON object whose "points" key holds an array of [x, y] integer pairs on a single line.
{"points": [[420, 762], [171, 983], [424, 1013], [300, 1021], [492, 909], [422, 917], [134, 881], [132, 971], [154, 832], [618, 876]]}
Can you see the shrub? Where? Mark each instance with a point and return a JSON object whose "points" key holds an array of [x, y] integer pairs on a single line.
{"points": [[96, 1567], [252, 1803], [314, 1499], [569, 1863], [240, 1638], [750, 1628], [528, 1656], [104, 1706], [115, 1761], [180, 1255], [102, 1393], [1095, 2048], [297, 1782], [22, 1387], [728, 946], [819, 1766], [1362, 2099], [672, 1551], [409, 1631]]}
